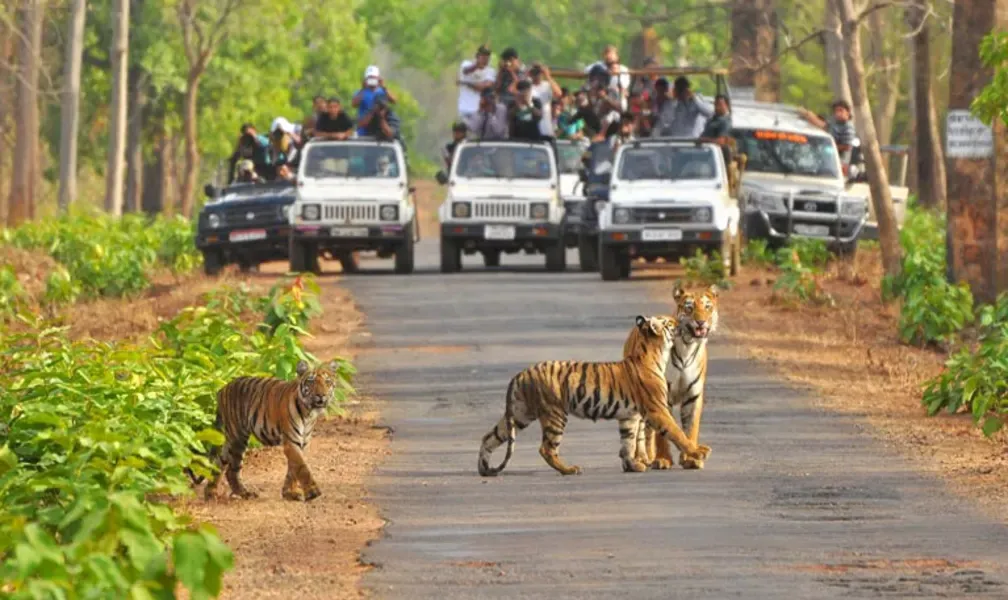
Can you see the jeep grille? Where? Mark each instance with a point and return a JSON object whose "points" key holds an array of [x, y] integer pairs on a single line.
{"points": [[356, 212], [680, 214], [501, 210]]}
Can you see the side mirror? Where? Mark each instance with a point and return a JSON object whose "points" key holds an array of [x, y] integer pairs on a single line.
{"points": [[441, 177], [209, 190]]}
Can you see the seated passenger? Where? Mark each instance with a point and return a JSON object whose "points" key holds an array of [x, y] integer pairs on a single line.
{"points": [[247, 173], [251, 146], [384, 167], [282, 149], [334, 124], [477, 166], [490, 122], [308, 125], [284, 173], [364, 99], [459, 131]]}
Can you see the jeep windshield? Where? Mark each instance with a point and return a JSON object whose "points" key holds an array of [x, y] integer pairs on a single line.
{"points": [[570, 157], [324, 161], [788, 153], [503, 162], [667, 163]]}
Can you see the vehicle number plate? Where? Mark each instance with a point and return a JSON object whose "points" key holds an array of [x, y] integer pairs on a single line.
{"points": [[817, 230], [661, 235], [349, 231], [248, 235], [499, 232]]}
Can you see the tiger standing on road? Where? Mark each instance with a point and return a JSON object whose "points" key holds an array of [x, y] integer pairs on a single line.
{"points": [[697, 315], [629, 391], [278, 413]]}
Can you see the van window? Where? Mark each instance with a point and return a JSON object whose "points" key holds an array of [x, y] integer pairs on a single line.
{"points": [[788, 153]]}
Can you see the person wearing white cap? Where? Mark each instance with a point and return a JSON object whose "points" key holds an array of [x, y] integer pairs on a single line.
{"points": [[374, 87]]}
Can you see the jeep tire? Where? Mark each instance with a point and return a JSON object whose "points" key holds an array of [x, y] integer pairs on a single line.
{"points": [[213, 262], [588, 256], [298, 257], [556, 256], [611, 263], [404, 253], [350, 262], [451, 256], [491, 258]]}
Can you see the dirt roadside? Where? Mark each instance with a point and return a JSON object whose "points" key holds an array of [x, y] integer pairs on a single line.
{"points": [[851, 358]]}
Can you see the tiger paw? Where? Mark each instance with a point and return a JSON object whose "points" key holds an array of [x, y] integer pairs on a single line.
{"points": [[695, 459], [312, 493], [662, 464], [634, 466], [292, 494], [572, 470]]}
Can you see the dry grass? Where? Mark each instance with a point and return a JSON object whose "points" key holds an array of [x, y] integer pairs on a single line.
{"points": [[852, 356], [429, 196]]}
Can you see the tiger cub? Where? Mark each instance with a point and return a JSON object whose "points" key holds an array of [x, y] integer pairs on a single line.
{"points": [[628, 390], [687, 372], [278, 413]]}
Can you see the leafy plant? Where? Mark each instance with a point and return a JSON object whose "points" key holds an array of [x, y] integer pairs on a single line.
{"points": [[977, 378], [757, 253], [933, 310], [797, 281], [61, 288], [706, 270], [12, 293], [992, 103], [811, 253], [293, 302]]}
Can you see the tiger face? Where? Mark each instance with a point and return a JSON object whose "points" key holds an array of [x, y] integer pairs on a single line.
{"points": [[316, 387], [697, 313], [659, 329]]}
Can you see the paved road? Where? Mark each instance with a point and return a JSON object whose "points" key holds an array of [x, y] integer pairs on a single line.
{"points": [[793, 503]]}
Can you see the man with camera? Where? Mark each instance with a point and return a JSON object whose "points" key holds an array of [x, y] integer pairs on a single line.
{"points": [[490, 122], [381, 122], [373, 88], [253, 147]]}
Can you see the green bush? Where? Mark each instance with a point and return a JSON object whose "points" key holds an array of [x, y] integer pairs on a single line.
{"points": [[94, 436], [704, 270], [757, 253], [12, 293], [977, 378], [797, 281], [933, 310], [811, 253], [111, 257]]}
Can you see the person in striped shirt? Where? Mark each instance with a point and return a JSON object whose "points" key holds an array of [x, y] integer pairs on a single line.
{"points": [[840, 126]]}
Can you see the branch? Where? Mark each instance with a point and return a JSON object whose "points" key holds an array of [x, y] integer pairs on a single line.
{"points": [[186, 22], [760, 65]]}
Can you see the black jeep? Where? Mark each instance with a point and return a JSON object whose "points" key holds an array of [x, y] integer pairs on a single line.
{"points": [[245, 223], [598, 164]]}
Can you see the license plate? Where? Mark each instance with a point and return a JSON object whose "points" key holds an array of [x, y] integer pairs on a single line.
{"points": [[499, 232], [661, 235], [249, 235], [817, 230], [349, 231]]}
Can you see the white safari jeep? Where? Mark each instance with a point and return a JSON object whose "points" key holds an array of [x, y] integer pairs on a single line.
{"points": [[503, 196], [352, 195], [793, 184], [667, 198]]}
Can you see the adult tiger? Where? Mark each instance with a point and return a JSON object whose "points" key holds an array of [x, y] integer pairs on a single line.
{"points": [[278, 413], [628, 390], [687, 372]]}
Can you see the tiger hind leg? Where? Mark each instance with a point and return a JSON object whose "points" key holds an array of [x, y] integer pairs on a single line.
{"points": [[630, 432], [233, 452], [299, 472], [552, 434]]}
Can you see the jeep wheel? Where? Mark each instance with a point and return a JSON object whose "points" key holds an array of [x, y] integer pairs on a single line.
{"points": [[624, 266], [451, 256], [404, 253], [556, 257], [491, 258], [298, 257], [588, 254], [213, 262], [348, 260], [611, 263]]}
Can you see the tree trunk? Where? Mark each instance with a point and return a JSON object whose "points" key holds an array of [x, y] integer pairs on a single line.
{"points": [[134, 139], [168, 178], [644, 44], [878, 179], [977, 229], [754, 61], [117, 118], [190, 115], [22, 195], [929, 155], [70, 122], [6, 102], [834, 51], [887, 81]]}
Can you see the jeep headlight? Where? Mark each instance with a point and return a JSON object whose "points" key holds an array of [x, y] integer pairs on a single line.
{"points": [[310, 212], [461, 210], [540, 210], [853, 207], [213, 220], [767, 202], [389, 212], [285, 212], [702, 215], [621, 216]]}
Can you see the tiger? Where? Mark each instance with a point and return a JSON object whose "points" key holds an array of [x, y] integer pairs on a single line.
{"points": [[278, 413], [687, 372], [629, 390]]}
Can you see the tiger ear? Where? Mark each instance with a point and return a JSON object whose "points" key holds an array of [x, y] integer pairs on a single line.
{"points": [[678, 291], [713, 291], [641, 321], [302, 368]]}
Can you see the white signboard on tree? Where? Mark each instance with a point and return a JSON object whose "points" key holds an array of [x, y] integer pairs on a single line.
{"points": [[966, 136]]}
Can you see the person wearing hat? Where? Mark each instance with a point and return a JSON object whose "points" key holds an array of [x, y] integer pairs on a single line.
{"points": [[373, 88], [459, 131], [251, 146], [474, 77], [525, 114], [334, 124], [490, 122]]}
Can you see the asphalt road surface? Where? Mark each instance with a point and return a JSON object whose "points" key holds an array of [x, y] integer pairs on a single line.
{"points": [[793, 502]]}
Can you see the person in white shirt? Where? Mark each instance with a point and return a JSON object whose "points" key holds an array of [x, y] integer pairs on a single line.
{"points": [[474, 77], [619, 75], [544, 89]]}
